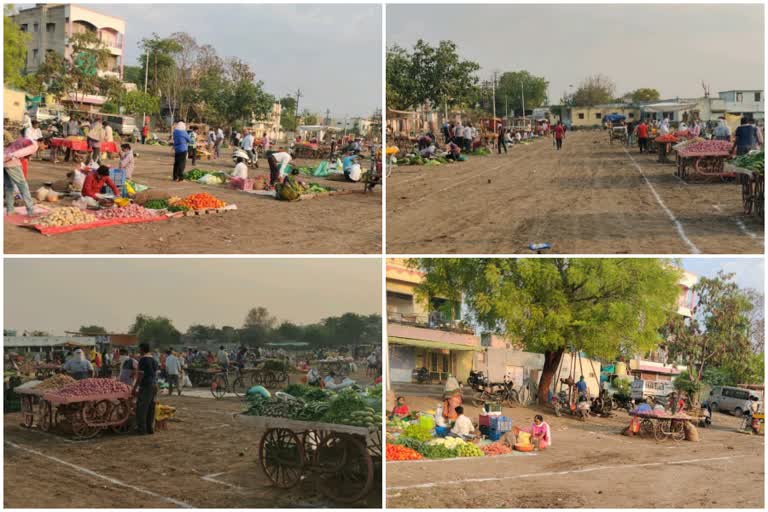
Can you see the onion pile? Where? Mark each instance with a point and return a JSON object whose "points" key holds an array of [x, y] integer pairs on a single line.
{"points": [[707, 147], [127, 212], [90, 387]]}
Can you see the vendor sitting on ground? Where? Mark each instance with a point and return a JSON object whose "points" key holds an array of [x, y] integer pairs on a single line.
{"points": [[401, 409], [352, 170], [453, 151], [463, 427], [96, 181], [79, 367], [541, 435], [241, 164], [313, 377], [428, 152], [290, 189]]}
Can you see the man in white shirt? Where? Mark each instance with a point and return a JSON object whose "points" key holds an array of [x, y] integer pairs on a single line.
{"points": [[468, 137], [222, 357], [463, 428], [247, 145], [33, 132], [282, 159], [172, 371]]}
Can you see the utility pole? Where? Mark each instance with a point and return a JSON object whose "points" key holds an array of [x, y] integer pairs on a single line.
{"points": [[146, 77], [506, 106], [327, 117], [522, 95], [298, 95], [493, 88]]}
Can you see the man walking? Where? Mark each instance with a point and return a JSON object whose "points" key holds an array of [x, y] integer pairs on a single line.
{"points": [[145, 390], [173, 371], [642, 136], [502, 141], [559, 134]]}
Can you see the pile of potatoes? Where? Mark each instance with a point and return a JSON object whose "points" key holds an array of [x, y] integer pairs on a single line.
{"points": [[68, 216]]}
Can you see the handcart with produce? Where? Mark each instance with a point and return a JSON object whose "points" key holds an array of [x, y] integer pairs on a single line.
{"points": [[30, 402], [334, 439], [269, 373], [750, 170], [45, 370], [202, 376], [704, 158], [663, 426], [87, 407], [340, 367]]}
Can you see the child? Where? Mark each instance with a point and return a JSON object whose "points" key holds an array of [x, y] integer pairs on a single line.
{"points": [[126, 160]]}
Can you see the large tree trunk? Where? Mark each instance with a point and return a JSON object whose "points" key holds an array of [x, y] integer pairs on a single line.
{"points": [[551, 362]]}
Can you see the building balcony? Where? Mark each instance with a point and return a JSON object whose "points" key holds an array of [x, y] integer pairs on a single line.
{"points": [[434, 320]]}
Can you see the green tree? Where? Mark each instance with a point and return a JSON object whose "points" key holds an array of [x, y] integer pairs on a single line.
{"points": [[138, 102], [512, 87], [14, 50], [288, 331], [432, 75], [134, 75], [288, 114], [644, 94], [594, 90], [260, 317], [157, 331], [92, 330], [602, 307], [718, 333]]}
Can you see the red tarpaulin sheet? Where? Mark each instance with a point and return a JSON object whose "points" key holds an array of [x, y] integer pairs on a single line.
{"points": [[57, 230], [109, 147], [77, 145]]}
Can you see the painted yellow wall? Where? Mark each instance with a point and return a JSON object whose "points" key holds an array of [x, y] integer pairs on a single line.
{"points": [[590, 114]]}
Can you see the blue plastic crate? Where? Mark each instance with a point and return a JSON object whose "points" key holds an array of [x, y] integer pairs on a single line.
{"points": [[118, 178], [441, 431], [501, 423], [494, 435]]}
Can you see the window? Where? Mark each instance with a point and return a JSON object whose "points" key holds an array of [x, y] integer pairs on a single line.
{"points": [[34, 55], [739, 97], [581, 115], [631, 115], [24, 27], [434, 361], [50, 28], [598, 115], [35, 27], [758, 96]]}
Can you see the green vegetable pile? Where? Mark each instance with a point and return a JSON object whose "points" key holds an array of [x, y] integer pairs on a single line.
{"points": [[156, 204], [469, 450], [178, 208], [316, 188], [481, 151], [310, 393], [436, 451], [409, 442], [196, 174], [752, 161], [418, 431]]}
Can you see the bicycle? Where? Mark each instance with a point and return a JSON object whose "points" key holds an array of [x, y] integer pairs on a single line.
{"points": [[221, 385]]}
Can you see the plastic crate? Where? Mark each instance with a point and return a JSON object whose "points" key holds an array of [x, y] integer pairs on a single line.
{"points": [[501, 423], [494, 435], [492, 408], [484, 429], [441, 431], [118, 177], [484, 420]]}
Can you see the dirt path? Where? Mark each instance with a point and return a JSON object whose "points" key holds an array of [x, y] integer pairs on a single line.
{"points": [[205, 460], [590, 465], [588, 198], [348, 224]]}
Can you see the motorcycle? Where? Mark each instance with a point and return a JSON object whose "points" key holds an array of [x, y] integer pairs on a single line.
{"points": [[502, 392], [422, 376], [705, 419], [477, 380], [560, 403]]}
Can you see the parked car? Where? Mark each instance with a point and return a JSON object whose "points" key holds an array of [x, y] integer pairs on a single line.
{"points": [[656, 389], [124, 125], [46, 115], [731, 399]]}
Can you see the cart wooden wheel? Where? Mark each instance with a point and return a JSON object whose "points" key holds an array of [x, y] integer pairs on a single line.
{"points": [[46, 416], [374, 443], [27, 410], [647, 427], [120, 416], [345, 468], [659, 430], [759, 195], [79, 424], [256, 378], [678, 430], [218, 387], [747, 199], [282, 457], [270, 381], [239, 387]]}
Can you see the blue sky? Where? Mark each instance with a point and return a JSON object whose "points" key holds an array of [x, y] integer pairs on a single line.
{"points": [[331, 52], [749, 272]]}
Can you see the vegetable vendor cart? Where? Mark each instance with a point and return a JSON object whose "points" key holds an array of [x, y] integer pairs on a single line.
{"points": [[30, 403], [86, 416], [752, 189], [339, 367], [343, 460], [43, 371], [703, 158], [663, 427], [202, 376]]}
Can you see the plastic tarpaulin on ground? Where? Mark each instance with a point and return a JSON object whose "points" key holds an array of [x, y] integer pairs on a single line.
{"points": [[57, 230]]}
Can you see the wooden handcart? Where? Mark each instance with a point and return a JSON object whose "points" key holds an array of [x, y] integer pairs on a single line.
{"points": [[663, 427], [752, 190], [202, 376], [344, 461], [709, 164], [85, 417], [30, 403]]}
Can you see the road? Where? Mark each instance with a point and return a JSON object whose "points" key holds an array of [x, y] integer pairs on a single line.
{"points": [[591, 465], [340, 224], [590, 198]]}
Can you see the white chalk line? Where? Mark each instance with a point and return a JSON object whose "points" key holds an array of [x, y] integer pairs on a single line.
{"points": [[557, 473], [99, 475], [212, 478], [678, 226], [745, 230]]}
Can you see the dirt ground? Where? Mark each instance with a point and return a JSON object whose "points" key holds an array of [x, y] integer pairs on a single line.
{"points": [[590, 465], [206, 459], [347, 223], [590, 197]]}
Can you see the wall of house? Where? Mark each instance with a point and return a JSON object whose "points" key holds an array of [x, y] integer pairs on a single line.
{"points": [[590, 116]]}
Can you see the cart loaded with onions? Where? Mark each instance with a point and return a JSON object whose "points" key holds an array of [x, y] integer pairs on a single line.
{"points": [[330, 437]]}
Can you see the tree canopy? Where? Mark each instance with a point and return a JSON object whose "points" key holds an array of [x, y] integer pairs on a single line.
{"points": [[644, 94], [603, 307], [512, 86], [594, 90], [433, 75], [158, 331], [14, 49], [92, 330]]}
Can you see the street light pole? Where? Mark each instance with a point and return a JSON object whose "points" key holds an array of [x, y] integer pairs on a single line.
{"points": [[146, 78], [494, 97]]}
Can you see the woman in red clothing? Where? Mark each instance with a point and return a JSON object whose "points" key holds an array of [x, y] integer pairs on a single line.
{"points": [[400, 410]]}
